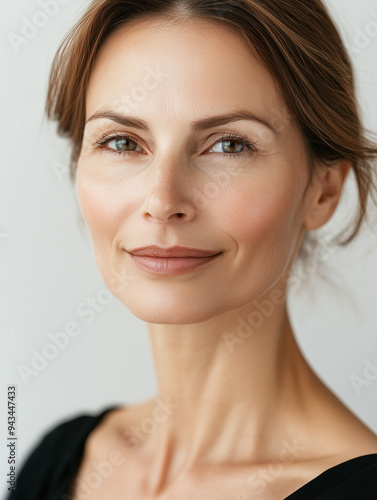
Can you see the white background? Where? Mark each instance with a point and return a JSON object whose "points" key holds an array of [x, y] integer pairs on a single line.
{"points": [[47, 266]]}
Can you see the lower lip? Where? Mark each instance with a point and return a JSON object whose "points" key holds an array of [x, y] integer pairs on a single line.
{"points": [[171, 266]]}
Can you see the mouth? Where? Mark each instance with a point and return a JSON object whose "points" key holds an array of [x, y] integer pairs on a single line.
{"points": [[172, 252], [151, 261]]}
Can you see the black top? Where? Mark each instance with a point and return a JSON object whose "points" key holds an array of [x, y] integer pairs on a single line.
{"points": [[51, 467]]}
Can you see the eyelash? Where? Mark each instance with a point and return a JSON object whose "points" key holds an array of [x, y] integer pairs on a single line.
{"points": [[231, 137]]}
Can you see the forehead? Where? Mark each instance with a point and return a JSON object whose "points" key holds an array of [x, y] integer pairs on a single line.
{"points": [[197, 66]]}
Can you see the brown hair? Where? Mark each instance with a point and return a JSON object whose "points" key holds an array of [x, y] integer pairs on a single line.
{"points": [[295, 39]]}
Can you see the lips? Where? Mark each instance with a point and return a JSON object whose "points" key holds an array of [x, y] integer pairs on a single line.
{"points": [[172, 252]]}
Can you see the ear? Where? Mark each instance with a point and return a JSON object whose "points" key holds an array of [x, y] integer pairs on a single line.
{"points": [[325, 193]]}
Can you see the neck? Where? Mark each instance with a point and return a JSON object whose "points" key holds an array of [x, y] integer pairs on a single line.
{"points": [[232, 389]]}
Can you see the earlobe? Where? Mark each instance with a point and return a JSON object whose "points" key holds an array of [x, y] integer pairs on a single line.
{"points": [[327, 192]]}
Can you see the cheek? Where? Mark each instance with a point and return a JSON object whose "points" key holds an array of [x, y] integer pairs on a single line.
{"points": [[263, 214], [264, 222], [103, 207]]}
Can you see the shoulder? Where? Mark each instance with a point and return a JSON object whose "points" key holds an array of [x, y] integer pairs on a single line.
{"points": [[66, 433], [347, 468], [113, 432], [54, 457], [354, 478]]}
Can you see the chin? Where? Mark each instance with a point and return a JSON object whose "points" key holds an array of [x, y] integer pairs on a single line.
{"points": [[169, 312]]}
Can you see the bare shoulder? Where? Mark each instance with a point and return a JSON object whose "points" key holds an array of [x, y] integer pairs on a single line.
{"points": [[106, 451], [358, 439], [114, 429], [121, 433], [349, 436]]}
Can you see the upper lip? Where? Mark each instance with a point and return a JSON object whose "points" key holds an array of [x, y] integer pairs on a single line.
{"points": [[176, 251]]}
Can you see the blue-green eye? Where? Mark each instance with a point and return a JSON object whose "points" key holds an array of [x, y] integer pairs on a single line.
{"points": [[122, 144], [234, 146]]}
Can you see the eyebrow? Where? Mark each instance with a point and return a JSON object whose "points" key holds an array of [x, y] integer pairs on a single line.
{"points": [[198, 125]]}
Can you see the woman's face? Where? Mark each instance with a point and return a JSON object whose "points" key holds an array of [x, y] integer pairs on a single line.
{"points": [[242, 196]]}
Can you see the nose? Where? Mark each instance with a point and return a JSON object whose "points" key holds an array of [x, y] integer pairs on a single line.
{"points": [[169, 191]]}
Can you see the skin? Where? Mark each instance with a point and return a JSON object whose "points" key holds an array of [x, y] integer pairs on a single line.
{"points": [[236, 401]]}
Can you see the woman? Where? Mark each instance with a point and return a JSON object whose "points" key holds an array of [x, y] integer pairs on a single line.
{"points": [[208, 140]]}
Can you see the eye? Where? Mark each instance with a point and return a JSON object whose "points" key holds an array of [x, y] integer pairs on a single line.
{"points": [[122, 144], [233, 145], [230, 147]]}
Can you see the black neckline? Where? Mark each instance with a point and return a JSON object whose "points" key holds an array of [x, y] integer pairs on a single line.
{"points": [[76, 462], [326, 479]]}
